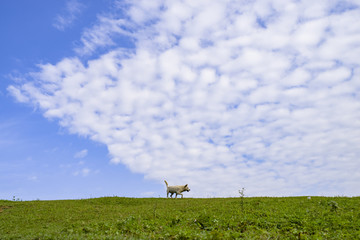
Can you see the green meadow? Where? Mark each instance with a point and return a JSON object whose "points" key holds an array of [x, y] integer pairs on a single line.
{"points": [[188, 218]]}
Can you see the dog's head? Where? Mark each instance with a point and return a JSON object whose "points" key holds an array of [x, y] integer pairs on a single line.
{"points": [[186, 188]]}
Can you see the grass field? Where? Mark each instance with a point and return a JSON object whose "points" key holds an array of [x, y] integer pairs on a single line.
{"points": [[159, 218]]}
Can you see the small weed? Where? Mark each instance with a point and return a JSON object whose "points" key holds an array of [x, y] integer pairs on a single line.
{"points": [[15, 199], [242, 195]]}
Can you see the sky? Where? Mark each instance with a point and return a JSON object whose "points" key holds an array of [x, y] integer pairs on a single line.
{"points": [[112, 97]]}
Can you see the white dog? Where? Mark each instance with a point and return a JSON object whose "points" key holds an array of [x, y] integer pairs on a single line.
{"points": [[176, 189]]}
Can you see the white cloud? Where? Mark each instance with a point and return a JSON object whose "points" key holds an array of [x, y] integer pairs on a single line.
{"points": [[83, 172], [69, 15], [17, 94], [33, 178], [258, 98], [101, 34], [81, 154]]}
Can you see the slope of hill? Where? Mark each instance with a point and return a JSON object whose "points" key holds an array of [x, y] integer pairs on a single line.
{"points": [[159, 218]]}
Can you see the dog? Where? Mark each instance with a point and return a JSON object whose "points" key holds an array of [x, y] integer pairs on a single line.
{"points": [[176, 189]]}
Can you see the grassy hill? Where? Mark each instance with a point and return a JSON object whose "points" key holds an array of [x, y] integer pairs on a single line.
{"points": [[159, 218]]}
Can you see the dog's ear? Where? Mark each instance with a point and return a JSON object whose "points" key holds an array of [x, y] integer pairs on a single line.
{"points": [[185, 185]]}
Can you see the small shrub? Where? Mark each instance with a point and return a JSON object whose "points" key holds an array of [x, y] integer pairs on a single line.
{"points": [[242, 194], [333, 205]]}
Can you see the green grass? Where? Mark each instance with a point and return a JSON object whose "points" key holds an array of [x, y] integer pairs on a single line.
{"points": [[158, 218]]}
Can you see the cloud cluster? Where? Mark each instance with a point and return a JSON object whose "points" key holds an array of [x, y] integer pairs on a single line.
{"points": [[219, 94], [68, 16]]}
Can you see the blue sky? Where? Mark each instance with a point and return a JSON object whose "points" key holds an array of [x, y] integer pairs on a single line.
{"points": [[103, 98], [38, 157]]}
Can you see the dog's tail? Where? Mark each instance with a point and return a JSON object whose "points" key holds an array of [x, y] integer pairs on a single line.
{"points": [[166, 183]]}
